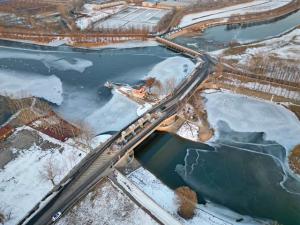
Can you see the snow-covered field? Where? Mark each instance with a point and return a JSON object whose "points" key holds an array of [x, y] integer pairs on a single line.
{"points": [[209, 214], [22, 180], [250, 7], [246, 114], [107, 205]]}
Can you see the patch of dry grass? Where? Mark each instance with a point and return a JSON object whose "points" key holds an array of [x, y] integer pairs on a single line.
{"points": [[294, 159], [295, 109], [238, 50]]}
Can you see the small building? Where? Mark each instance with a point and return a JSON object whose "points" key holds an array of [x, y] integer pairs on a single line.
{"points": [[139, 93], [6, 131]]}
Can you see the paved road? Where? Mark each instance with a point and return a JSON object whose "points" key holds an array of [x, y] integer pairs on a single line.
{"points": [[97, 164]]}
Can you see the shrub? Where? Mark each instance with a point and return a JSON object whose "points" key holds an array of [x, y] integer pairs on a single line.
{"points": [[187, 202]]}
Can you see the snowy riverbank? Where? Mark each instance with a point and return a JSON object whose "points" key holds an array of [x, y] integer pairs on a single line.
{"points": [[209, 214], [285, 46], [249, 7]]}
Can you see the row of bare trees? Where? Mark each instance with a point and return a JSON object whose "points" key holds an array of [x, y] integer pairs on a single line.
{"points": [[267, 87], [274, 68], [269, 75], [165, 21]]}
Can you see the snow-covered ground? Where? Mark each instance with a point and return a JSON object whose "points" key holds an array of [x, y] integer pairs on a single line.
{"points": [[98, 140], [209, 214], [148, 203], [107, 205], [250, 7], [267, 88], [20, 85], [247, 114], [22, 180], [189, 131], [286, 46]]}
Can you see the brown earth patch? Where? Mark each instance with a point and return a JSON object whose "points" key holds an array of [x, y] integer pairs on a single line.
{"points": [[294, 159]]}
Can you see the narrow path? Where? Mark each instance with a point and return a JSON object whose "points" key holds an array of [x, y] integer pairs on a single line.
{"points": [[135, 193]]}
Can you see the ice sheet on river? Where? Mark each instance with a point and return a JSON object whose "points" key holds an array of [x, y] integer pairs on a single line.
{"points": [[49, 60], [245, 114], [172, 68], [20, 85], [171, 72], [114, 115]]}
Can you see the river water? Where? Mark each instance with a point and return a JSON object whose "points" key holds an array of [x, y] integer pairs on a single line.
{"points": [[220, 36], [241, 176], [82, 74], [241, 171]]}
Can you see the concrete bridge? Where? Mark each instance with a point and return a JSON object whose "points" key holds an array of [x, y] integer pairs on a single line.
{"points": [[178, 48]]}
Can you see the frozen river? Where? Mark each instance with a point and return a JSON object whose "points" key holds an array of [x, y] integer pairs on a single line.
{"points": [[220, 36], [73, 79]]}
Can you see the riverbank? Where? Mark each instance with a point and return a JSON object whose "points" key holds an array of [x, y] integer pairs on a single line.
{"points": [[247, 13], [94, 46], [208, 214]]}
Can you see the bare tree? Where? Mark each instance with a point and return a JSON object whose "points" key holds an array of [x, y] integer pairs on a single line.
{"points": [[5, 215], [86, 134], [149, 83], [51, 170]]}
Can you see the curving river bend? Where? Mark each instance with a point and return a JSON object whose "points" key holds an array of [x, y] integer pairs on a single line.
{"points": [[219, 37]]}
